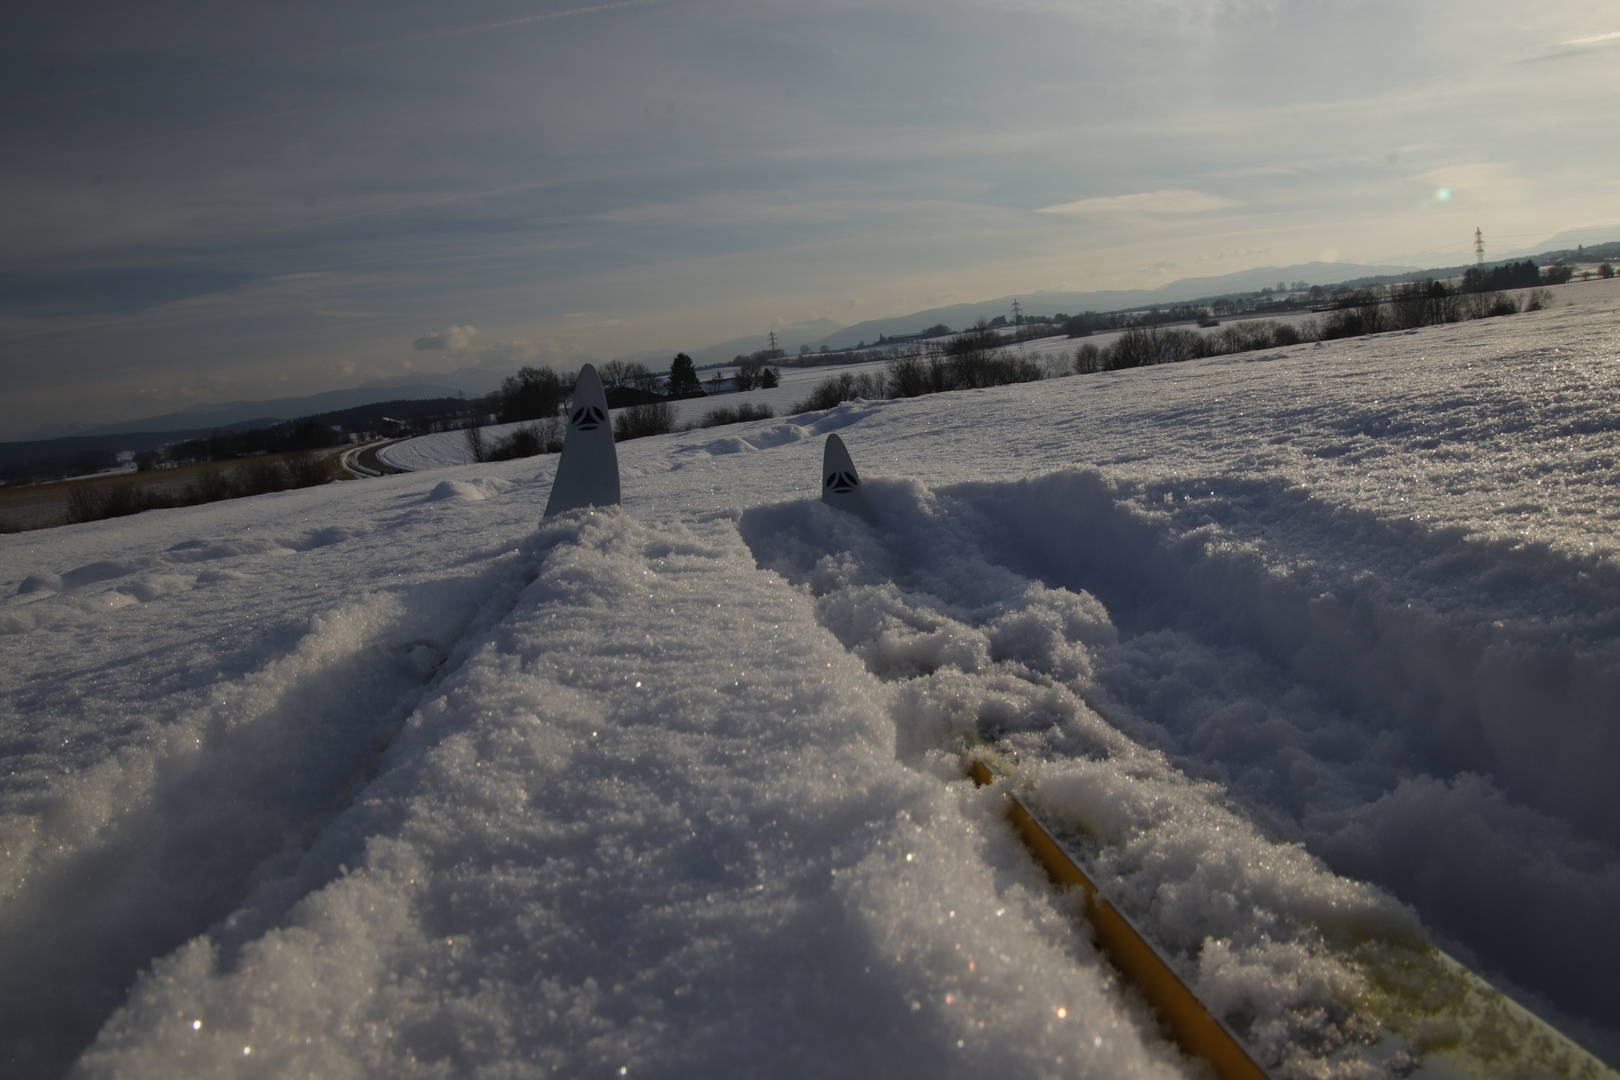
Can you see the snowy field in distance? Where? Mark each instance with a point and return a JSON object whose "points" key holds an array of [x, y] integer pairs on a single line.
{"points": [[448, 448], [376, 779], [1056, 355]]}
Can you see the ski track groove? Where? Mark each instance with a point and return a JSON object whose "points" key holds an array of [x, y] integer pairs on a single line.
{"points": [[132, 824], [1263, 695], [1402, 665], [532, 777]]}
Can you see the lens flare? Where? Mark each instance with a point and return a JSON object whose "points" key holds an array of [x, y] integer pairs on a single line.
{"points": [[1443, 194]]}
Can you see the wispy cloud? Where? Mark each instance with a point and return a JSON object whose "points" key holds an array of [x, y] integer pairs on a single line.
{"points": [[457, 337], [1597, 40], [1144, 202], [458, 342]]}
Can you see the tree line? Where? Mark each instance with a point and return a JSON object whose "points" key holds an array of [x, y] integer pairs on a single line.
{"points": [[642, 399], [981, 357], [535, 393], [976, 358], [1356, 313], [149, 451], [230, 445], [229, 480]]}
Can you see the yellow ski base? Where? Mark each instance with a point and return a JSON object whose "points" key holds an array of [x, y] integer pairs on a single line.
{"points": [[1194, 1027], [1440, 1021]]}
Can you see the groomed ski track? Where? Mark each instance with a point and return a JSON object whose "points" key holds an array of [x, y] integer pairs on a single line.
{"points": [[1188, 598]]}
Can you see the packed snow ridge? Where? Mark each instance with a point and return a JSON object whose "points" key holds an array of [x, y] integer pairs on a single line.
{"points": [[382, 779]]}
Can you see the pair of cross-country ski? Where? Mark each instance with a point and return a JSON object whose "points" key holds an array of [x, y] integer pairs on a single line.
{"points": [[1435, 1019], [588, 474]]}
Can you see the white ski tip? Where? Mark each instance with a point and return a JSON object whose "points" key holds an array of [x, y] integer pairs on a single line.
{"points": [[588, 470], [840, 483]]}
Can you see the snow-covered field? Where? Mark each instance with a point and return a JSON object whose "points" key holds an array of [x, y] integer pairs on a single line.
{"points": [[377, 779], [450, 447]]}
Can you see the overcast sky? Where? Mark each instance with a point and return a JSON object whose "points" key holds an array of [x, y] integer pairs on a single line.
{"points": [[215, 200]]}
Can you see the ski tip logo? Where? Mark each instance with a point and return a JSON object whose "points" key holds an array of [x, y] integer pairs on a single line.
{"points": [[842, 482], [587, 418]]}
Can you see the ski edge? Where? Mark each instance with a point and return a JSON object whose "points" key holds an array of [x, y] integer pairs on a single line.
{"points": [[1199, 1032]]}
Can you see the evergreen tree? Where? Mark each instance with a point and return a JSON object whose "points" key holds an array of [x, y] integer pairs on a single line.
{"points": [[683, 377]]}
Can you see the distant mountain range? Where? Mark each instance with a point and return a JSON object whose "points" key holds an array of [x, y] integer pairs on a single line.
{"points": [[1569, 240], [961, 316], [789, 337], [958, 316], [473, 382]]}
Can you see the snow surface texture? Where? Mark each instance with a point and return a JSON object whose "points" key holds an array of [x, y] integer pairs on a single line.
{"points": [[376, 779]]}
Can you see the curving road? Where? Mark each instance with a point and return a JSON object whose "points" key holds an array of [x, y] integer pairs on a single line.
{"points": [[363, 460]]}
